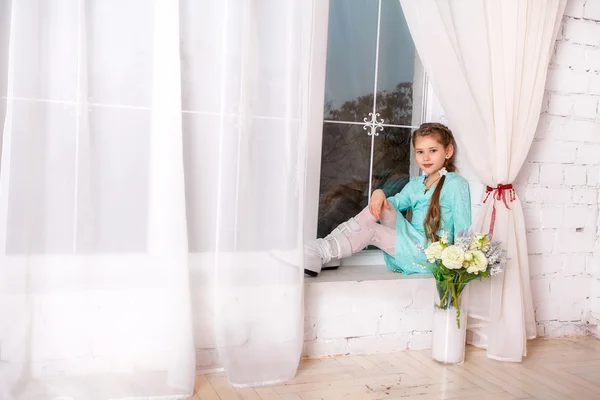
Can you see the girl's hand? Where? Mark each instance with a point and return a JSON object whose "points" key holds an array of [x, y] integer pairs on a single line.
{"points": [[378, 202]]}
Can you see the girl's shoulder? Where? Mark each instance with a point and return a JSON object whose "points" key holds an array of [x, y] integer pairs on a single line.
{"points": [[455, 181]]}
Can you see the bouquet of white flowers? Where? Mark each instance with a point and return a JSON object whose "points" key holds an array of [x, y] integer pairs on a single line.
{"points": [[472, 256]]}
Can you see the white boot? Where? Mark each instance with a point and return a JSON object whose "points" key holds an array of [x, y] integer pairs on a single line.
{"points": [[332, 248]]}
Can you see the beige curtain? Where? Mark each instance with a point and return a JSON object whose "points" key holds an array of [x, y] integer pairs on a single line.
{"points": [[487, 61]]}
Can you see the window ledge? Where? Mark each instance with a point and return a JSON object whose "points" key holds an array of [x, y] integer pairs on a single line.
{"points": [[356, 273]]}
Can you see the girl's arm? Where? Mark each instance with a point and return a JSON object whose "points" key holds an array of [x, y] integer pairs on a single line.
{"points": [[401, 201], [462, 206]]}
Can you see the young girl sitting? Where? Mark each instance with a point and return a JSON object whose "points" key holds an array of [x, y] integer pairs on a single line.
{"points": [[439, 200]]}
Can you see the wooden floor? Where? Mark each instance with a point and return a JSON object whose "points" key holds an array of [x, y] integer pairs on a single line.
{"points": [[554, 369]]}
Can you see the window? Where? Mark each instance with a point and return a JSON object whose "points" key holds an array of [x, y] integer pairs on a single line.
{"points": [[373, 100]]}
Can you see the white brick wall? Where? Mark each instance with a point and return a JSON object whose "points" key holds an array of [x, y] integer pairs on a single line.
{"points": [[559, 182], [370, 316]]}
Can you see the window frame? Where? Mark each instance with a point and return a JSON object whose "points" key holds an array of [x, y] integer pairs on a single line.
{"points": [[421, 108]]}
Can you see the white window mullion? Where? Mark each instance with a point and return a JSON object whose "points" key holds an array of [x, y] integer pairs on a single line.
{"points": [[7, 133], [374, 123], [78, 110]]}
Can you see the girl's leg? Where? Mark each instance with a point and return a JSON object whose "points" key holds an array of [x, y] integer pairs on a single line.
{"points": [[389, 217], [381, 235], [349, 238]]}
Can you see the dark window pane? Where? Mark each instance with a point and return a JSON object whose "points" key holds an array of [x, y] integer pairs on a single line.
{"points": [[351, 59], [391, 160], [396, 69], [345, 162]]}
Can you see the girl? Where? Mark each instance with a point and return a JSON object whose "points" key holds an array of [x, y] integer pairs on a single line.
{"points": [[439, 200]]}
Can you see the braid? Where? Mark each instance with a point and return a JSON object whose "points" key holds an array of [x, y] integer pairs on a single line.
{"points": [[443, 135]]}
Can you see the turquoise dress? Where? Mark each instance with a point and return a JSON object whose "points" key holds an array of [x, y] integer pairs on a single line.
{"points": [[455, 207]]}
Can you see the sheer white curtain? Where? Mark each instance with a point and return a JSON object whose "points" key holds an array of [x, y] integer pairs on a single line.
{"points": [[246, 76], [151, 187], [487, 61]]}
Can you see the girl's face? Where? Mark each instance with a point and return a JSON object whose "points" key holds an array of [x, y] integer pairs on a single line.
{"points": [[431, 154]]}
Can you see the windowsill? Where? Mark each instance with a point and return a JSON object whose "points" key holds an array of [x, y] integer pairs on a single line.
{"points": [[359, 273]]}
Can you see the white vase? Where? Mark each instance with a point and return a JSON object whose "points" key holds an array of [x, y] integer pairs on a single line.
{"points": [[448, 339]]}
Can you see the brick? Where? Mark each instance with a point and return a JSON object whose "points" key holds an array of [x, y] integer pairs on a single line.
{"points": [[543, 264], [310, 329], [571, 287], [594, 329], [591, 267], [542, 126], [585, 196], [576, 175], [553, 152], [391, 322], [540, 289], [588, 153], [540, 330], [585, 106], [418, 321], [582, 32], [348, 325], [547, 310], [378, 344], [551, 217], [562, 329], [556, 128], [329, 298], [529, 173], [547, 195], [595, 84], [560, 105], [552, 174], [569, 55], [592, 10], [384, 295], [545, 101], [424, 296], [595, 301], [594, 267], [567, 81], [575, 242], [574, 8], [540, 242], [534, 174], [571, 310], [532, 218], [592, 175], [592, 60], [582, 131], [573, 264], [420, 341], [576, 217], [320, 348]]}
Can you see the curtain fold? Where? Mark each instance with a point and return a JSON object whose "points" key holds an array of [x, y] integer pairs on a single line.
{"points": [[487, 61], [245, 200], [151, 194]]}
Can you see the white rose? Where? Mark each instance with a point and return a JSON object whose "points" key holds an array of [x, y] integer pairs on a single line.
{"points": [[453, 257], [479, 241], [434, 251], [468, 255], [478, 264]]}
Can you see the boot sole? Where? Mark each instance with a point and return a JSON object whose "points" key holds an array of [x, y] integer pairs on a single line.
{"points": [[313, 274]]}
